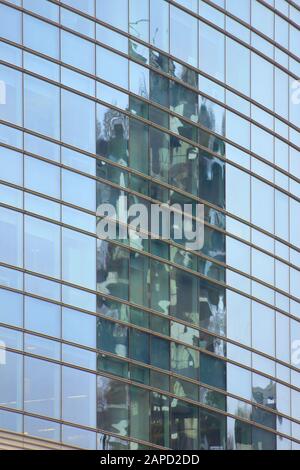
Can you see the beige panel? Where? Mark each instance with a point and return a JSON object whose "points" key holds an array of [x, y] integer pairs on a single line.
{"points": [[15, 441]]}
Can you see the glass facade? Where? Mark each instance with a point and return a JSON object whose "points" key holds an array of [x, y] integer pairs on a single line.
{"points": [[144, 343]]}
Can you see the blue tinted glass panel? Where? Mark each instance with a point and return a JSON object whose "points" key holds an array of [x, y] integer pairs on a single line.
{"points": [[211, 51], [78, 121], [106, 11], [85, 196], [42, 177], [42, 391], [42, 247], [79, 327], [79, 397], [79, 258], [70, 45], [11, 166], [42, 105], [159, 24], [11, 229], [11, 95], [41, 36], [42, 317], [10, 25], [11, 380], [184, 36], [11, 308]]}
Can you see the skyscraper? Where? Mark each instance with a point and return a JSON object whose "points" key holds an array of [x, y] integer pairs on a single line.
{"points": [[140, 341]]}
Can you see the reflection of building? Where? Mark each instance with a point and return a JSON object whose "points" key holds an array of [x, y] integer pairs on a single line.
{"points": [[142, 342]]}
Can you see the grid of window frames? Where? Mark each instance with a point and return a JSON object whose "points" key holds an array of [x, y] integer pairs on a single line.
{"points": [[144, 343]]}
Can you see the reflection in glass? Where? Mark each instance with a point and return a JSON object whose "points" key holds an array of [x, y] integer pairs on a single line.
{"points": [[184, 425], [112, 406]]}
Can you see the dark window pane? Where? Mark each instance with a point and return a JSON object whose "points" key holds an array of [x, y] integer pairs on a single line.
{"points": [[139, 413], [139, 346], [212, 371], [112, 406], [160, 353], [184, 426], [112, 337], [212, 431]]}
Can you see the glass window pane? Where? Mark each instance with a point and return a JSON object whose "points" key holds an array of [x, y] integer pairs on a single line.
{"points": [[212, 431], [262, 81], [239, 9], [42, 247], [10, 196], [160, 353], [112, 406], [42, 428], [42, 177], [211, 51], [185, 361], [42, 391], [41, 36], [11, 90], [263, 440], [139, 413], [139, 19], [11, 380], [78, 121], [82, 438], [42, 105], [10, 26], [139, 346], [139, 80], [42, 147], [106, 442], [213, 371], [139, 141], [79, 397], [78, 327], [112, 337], [79, 357], [11, 229], [184, 36], [238, 77], [106, 11], [11, 166], [159, 24], [262, 214], [42, 347], [78, 23], [11, 421], [112, 67], [112, 135], [42, 317], [85, 196], [112, 270], [79, 258], [43, 8], [70, 45], [11, 308], [184, 425], [160, 419], [238, 318], [239, 381], [86, 6], [41, 66], [294, 225], [263, 329]]}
